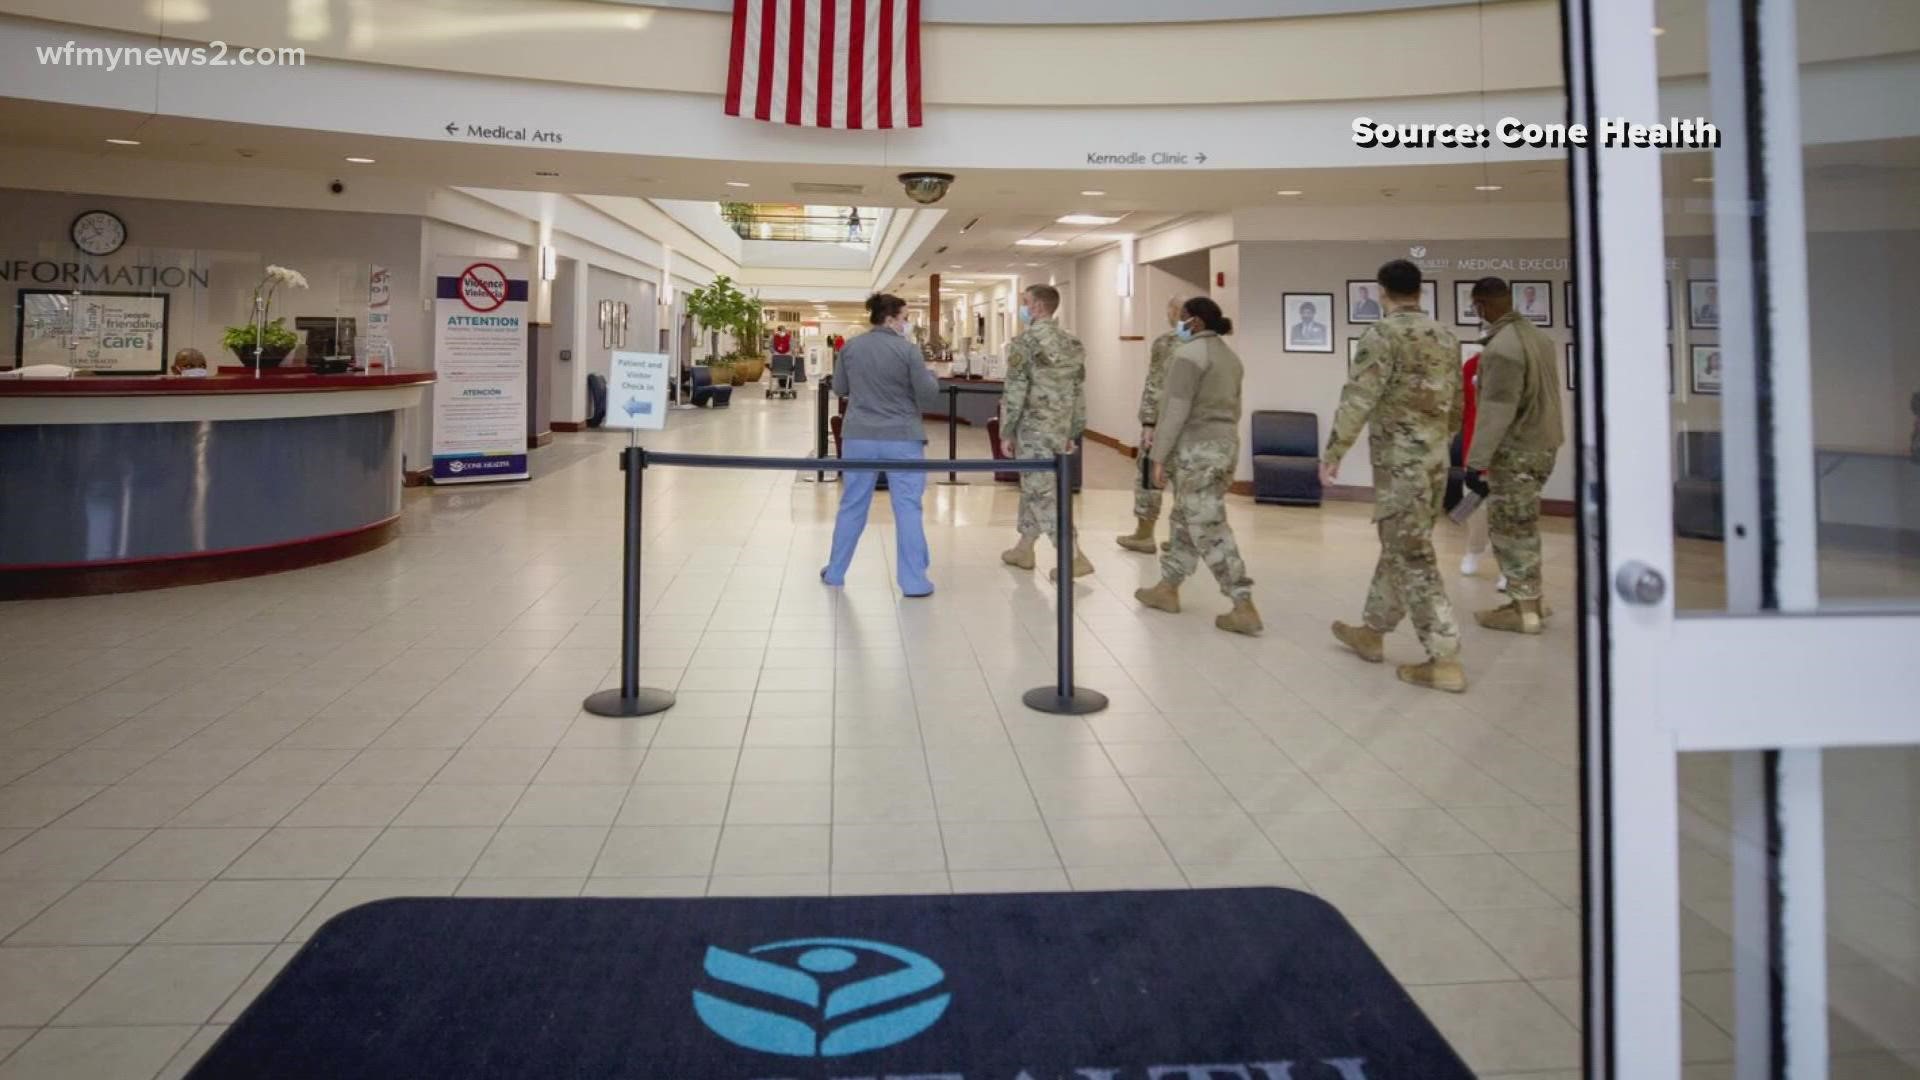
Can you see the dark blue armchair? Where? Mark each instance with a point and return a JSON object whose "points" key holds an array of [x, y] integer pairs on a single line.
{"points": [[1286, 458]]}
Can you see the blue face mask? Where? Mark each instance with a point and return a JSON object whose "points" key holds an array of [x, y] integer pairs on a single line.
{"points": [[1184, 331], [1026, 314]]}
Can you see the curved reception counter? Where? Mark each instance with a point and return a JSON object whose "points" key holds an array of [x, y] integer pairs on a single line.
{"points": [[116, 484]]}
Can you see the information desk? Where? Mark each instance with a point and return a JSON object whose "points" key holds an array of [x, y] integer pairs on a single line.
{"points": [[114, 484]]}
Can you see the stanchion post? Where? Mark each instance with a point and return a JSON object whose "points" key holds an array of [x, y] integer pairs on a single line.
{"points": [[820, 427], [631, 699], [953, 429], [1063, 698]]}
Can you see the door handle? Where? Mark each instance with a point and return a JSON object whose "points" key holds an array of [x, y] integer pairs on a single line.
{"points": [[1640, 584]]}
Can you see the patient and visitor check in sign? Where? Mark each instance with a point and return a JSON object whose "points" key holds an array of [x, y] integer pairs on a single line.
{"points": [[637, 391]]}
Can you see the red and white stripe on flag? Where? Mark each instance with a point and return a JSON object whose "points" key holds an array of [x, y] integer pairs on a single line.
{"points": [[826, 63]]}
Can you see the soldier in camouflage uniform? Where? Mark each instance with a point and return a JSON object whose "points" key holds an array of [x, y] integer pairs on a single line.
{"points": [[1516, 437], [1405, 385], [1042, 413], [1199, 444], [1146, 496]]}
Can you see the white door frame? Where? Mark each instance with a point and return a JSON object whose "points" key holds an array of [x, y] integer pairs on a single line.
{"points": [[1769, 678]]}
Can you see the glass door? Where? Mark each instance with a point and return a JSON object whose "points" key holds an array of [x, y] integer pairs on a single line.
{"points": [[1751, 576]]}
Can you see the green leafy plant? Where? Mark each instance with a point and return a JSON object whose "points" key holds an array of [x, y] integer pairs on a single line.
{"points": [[240, 338], [736, 214], [720, 307]]}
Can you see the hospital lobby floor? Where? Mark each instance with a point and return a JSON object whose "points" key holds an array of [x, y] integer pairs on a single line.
{"points": [[192, 780]]}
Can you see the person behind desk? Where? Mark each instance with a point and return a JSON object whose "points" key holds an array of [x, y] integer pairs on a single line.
{"points": [[190, 363], [887, 386]]}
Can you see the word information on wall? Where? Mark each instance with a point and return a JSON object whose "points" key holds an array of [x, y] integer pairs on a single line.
{"points": [[480, 360]]}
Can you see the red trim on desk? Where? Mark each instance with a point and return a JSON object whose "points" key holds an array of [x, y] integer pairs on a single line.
{"points": [[194, 568], [162, 385]]}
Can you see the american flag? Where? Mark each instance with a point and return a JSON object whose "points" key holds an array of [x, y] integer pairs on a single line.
{"points": [[826, 63]]}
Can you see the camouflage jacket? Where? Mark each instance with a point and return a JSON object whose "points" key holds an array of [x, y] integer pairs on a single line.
{"points": [[1405, 387], [1159, 358], [1046, 382]]}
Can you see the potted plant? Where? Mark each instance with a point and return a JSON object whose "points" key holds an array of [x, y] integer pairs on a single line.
{"points": [[275, 342], [719, 307], [258, 345]]}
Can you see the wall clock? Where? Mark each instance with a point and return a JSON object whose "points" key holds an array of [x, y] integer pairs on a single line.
{"points": [[98, 232]]}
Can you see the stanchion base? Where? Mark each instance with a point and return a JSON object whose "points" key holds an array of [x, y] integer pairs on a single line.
{"points": [[1047, 699], [645, 703], [952, 483]]}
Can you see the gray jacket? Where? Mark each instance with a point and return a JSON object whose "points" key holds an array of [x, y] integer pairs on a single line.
{"points": [[888, 385]]}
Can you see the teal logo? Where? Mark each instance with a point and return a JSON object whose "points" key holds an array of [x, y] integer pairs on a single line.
{"points": [[830, 997]]}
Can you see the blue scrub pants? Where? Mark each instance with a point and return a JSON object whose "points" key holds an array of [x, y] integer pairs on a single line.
{"points": [[905, 490]]}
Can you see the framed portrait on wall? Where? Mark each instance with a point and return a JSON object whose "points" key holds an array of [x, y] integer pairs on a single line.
{"points": [[1703, 304], [1430, 299], [1309, 319], [1363, 302], [1469, 350], [1706, 373], [1534, 301], [1463, 304], [1572, 367], [1353, 351]]}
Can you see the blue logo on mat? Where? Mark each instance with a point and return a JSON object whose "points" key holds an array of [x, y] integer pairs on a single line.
{"points": [[837, 1015]]}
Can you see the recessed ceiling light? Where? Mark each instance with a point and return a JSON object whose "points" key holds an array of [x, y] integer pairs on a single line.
{"points": [[955, 266], [1659, 31], [1035, 241], [1086, 219], [1093, 194], [738, 183], [1486, 187], [1703, 179], [361, 160], [545, 172], [1290, 192], [1034, 264], [124, 142]]}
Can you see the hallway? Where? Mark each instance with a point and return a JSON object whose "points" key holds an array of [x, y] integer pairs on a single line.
{"points": [[195, 779]]}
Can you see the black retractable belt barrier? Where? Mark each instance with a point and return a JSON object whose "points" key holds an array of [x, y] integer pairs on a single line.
{"points": [[632, 699], [953, 392]]}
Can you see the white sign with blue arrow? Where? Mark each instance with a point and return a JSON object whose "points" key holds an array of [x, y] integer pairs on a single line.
{"points": [[637, 391]]}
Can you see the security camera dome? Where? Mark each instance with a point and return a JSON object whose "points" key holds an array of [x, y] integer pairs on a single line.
{"points": [[926, 187]]}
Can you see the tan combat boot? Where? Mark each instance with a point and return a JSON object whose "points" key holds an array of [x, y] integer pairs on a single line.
{"points": [[1141, 539], [1243, 619], [1445, 675], [1020, 554], [1082, 566], [1162, 597], [1371, 644], [1515, 617]]}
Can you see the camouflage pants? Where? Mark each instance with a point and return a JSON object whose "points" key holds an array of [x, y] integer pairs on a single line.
{"points": [[1146, 500], [1407, 580], [1513, 517], [1200, 475], [1039, 491]]}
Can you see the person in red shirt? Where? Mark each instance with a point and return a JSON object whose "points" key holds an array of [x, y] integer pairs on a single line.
{"points": [[1477, 539], [782, 341]]}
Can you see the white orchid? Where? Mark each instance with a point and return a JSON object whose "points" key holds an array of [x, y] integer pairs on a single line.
{"points": [[281, 275]]}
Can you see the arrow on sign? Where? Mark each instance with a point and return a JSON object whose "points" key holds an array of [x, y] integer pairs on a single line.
{"points": [[453, 129], [1201, 158]]}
